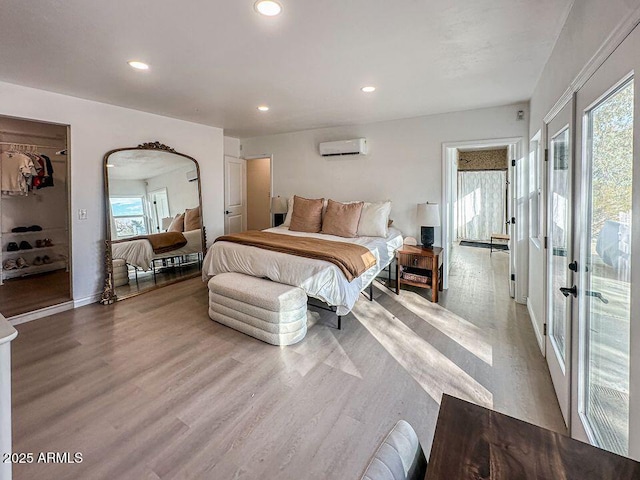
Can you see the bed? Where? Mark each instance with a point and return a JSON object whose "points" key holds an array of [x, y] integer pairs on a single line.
{"points": [[319, 279], [140, 254]]}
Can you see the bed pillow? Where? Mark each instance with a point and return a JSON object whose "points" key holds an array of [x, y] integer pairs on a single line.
{"points": [[177, 224], [287, 218], [306, 215], [191, 219], [374, 221], [342, 219]]}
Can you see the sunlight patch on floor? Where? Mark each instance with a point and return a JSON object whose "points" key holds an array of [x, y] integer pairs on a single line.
{"points": [[461, 331], [435, 373], [325, 348]]}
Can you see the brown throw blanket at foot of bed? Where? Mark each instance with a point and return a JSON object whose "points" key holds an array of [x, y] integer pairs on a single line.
{"points": [[161, 242], [350, 258]]}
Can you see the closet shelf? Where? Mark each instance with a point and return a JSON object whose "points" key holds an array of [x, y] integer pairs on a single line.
{"points": [[32, 250], [40, 232], [23, 272]]}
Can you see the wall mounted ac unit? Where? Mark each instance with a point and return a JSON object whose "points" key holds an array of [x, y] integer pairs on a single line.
{"points": [[357, 146], [192, 175]]}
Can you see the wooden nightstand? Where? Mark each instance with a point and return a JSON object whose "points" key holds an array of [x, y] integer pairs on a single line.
{"points": [[424, 264]]}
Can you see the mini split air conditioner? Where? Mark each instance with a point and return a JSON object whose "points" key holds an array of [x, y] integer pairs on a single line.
{"points": [[192, 175], [357, 146]]}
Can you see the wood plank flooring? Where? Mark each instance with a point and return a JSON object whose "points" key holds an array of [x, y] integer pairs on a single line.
{"points": [[150, 388], [25, 294]]}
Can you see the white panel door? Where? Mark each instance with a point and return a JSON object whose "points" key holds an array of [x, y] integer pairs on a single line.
{"points": [[235, 195], [559, 254]]}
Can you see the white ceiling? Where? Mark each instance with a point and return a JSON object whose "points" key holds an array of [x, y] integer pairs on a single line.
{"points": [[215, 61], [146, 164]]}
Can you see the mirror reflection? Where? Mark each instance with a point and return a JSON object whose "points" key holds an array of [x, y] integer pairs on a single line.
{"points": [[154, 219]]}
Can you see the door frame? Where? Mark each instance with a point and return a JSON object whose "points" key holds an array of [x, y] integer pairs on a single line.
{"points": [[519, 249], [258, 157]]}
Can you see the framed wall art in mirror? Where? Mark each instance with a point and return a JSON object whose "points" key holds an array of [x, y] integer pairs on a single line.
{"points": [[155, 235]]}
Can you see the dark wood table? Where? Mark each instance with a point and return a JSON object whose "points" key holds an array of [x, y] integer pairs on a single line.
{"points": [[473, 442]]}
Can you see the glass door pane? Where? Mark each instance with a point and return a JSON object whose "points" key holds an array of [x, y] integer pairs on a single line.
{"points": [[560, 186], [606, 254]]}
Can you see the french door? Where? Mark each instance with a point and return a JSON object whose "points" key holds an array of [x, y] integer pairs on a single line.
{"points": [[559, 252], [607, 107]]}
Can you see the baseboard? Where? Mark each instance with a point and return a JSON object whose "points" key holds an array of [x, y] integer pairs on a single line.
{"points": [[43, 312], [81, 302], [536, 329]]}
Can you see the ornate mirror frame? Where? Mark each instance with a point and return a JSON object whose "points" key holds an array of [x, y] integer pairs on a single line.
{"points": [[109, 293]]}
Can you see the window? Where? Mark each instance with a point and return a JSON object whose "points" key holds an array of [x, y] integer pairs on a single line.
{"points": [[535, 189], [128, 216]]}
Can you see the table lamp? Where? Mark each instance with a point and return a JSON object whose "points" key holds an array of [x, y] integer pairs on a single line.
{"points": [[428, 217], [278, 209]]}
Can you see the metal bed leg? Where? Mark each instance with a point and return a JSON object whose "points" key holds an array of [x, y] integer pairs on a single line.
{"points": [[339, 322], [153, 267], [371, 291]]}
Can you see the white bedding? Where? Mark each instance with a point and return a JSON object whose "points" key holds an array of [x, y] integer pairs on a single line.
{"points": [[140, 254], [318, 278]]}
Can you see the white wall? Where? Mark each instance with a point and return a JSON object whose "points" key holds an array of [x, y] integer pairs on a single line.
{"points": [[404, 163], [95, 129], [588, 25], [120, 186], [182, 194], [232, 147]]}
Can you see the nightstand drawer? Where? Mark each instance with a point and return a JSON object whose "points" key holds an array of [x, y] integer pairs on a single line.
{"points": [[417, 261]]}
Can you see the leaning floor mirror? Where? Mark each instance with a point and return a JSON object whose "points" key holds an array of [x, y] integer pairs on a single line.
{"points": [[155, 235]]}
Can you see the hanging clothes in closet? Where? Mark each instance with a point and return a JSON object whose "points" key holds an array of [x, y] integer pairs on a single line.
{"points": [[24, 171]]}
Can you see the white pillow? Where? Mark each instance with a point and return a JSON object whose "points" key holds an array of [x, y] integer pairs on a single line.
{"points": [[287, 219], [374, 219]]}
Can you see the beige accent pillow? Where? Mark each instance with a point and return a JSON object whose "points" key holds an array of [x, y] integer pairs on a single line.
{"points": [[342, 219], [191, 219], [306, 215], [177, 225]]}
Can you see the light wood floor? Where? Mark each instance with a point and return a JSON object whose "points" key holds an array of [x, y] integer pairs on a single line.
{"points": [[151, 388]]}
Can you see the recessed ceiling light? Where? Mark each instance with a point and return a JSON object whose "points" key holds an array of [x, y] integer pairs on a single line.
{"points": [[138, 65], [270, 8], [368, 89], [263, 108]]}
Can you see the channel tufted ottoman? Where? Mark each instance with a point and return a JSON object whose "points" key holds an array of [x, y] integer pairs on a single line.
{"points": [[266, 310]]}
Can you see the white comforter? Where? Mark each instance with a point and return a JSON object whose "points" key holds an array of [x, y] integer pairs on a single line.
{"points": [[318, 278], [140, 254]]}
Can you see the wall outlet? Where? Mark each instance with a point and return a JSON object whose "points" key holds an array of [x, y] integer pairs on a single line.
{"points": [[82, 214]]}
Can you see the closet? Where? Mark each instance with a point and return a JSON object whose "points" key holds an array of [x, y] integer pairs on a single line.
{"points": [[34, 216]]}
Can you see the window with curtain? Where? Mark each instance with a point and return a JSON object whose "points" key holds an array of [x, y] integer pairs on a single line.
{"points": [[481, 205]]}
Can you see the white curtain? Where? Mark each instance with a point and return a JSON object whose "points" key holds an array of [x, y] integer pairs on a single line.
{"points": [[481, 207]]}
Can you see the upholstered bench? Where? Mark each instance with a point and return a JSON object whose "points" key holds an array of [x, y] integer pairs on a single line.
{"points": [[120, 272], [266, 310]]}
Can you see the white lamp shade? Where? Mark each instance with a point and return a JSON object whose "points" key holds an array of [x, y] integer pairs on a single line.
{"points": [[278, 205], [428, 215], [166, 221]]}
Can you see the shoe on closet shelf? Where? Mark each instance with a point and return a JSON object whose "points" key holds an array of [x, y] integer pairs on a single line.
{"points": [[19, 229], [46, 260], [12, 247], [9, 264], [24, 245], [48, 242], [37, 261], [34, 228], [22, 263], [39, 243]]}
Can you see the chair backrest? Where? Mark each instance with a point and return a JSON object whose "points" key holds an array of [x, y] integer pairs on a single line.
{"points": [[399, 456]]}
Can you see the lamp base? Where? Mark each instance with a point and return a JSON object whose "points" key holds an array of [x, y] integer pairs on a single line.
{"points": [[426, 236]]}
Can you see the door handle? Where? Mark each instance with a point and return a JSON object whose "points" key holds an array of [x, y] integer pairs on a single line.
{"points": [[569, 291], [573, 266], [227, 212], [597, 295]]}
